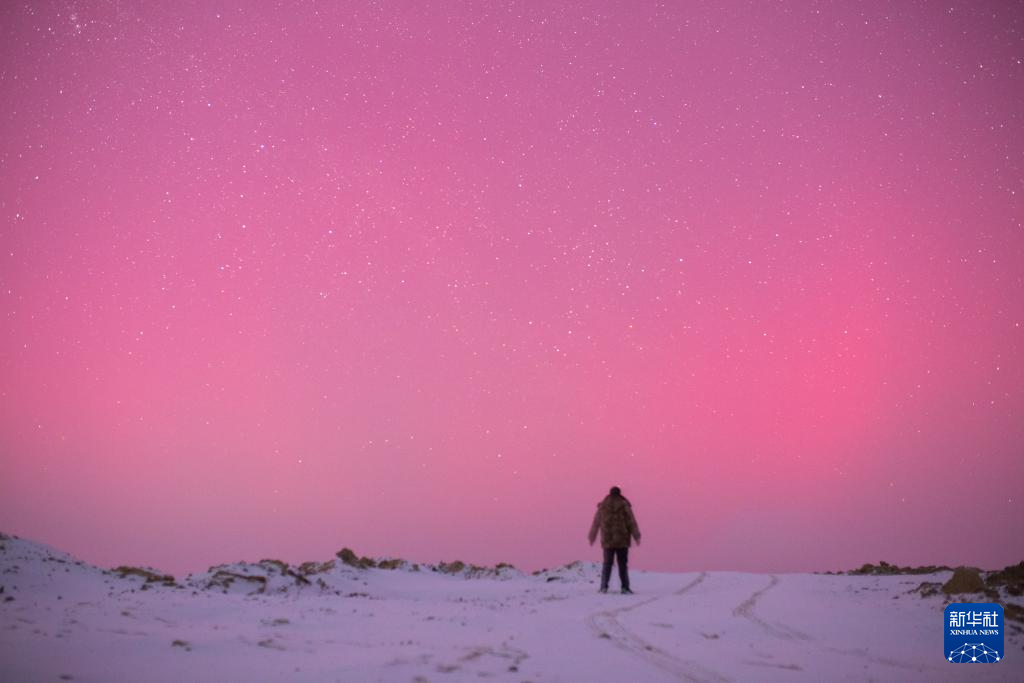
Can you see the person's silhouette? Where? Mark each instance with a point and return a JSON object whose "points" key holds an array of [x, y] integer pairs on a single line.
{"points": [[614, 519]]}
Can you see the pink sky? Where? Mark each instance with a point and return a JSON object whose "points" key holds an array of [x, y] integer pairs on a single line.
{"points": [[425, 279]]}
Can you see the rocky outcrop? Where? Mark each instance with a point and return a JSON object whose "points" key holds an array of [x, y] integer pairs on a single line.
{"points": [[348, 556], [964, 580], [1011, 578], [149, 576], [265, 576], [883, 568]]}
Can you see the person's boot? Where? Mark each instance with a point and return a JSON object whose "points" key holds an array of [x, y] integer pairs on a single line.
{"points": [[626, 591], [602, 589]]}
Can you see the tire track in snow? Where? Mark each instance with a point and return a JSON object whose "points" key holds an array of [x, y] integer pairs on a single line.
{"points": [[779, 630], [745, 610], [607, 625]]}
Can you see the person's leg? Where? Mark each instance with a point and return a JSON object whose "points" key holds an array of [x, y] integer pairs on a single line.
{"points": [[606, 570], [623, 561]]}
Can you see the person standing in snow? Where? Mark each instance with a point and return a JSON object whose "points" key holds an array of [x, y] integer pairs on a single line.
{"points": [[614, 518]]}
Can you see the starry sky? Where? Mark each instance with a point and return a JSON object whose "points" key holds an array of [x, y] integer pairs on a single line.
{"points": [[426, 278]]}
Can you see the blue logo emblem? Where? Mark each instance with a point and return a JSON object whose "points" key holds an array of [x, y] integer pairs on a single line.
{"points": [[974, 632]]}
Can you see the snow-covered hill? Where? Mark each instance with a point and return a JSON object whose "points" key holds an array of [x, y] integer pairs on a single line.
{"points": [[356, 619]]}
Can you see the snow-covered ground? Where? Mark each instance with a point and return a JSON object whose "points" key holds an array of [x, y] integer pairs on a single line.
{"points": [[61, 619]]}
